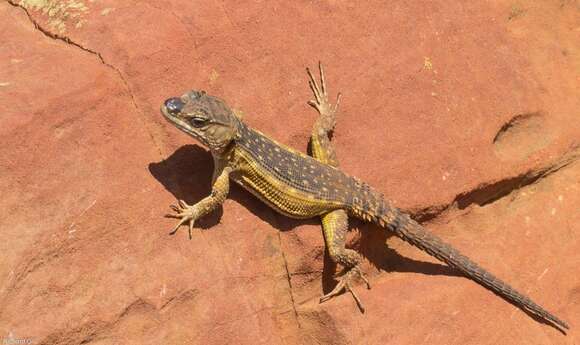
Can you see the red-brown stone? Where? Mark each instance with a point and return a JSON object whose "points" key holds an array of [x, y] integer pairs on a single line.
{"points": [[462, 112]]}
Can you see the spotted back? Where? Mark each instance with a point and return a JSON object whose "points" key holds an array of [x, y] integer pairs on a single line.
{"points": [[300, 172]]}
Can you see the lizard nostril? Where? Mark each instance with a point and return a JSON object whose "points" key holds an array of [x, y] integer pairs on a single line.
{"points": [[174, 105]]}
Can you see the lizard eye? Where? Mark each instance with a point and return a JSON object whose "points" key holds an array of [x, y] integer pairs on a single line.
{"points": [[198, 121]]}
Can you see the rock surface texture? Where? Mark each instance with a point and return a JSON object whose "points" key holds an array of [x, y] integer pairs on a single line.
{"points": [[466, 114]]}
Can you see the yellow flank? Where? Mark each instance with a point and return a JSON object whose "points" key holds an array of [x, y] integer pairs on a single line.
{"points": [[277, 193]]}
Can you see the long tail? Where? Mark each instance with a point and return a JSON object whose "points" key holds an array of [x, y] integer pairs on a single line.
{"points": [[410, 231]]}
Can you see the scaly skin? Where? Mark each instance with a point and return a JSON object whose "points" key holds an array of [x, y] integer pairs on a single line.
{"points": [[301, 186]]}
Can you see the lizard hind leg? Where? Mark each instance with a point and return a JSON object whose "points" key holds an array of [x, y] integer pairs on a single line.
{"points": [[335, 226]]}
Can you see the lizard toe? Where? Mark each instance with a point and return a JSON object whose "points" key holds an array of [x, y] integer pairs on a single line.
{"points": [[344, 284]]}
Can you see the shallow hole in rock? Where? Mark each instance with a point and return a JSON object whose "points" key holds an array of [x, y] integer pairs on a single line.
{"points": [[521, 136]]}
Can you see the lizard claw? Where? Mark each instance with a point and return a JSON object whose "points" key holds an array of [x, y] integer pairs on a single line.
{"points": [[185, 213], [344, 284]]}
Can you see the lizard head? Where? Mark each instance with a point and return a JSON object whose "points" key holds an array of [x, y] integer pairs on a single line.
{"points": [[206, 118]]}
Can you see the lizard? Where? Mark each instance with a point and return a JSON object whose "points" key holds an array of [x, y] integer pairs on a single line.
{"points": [[302, 186]]}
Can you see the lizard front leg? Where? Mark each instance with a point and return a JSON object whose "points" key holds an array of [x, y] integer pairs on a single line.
{"points": [[335, 223], [190, 213], [321, 147]]}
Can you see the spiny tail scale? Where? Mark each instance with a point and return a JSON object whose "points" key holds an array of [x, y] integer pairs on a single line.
{"points": [[410, 231]]}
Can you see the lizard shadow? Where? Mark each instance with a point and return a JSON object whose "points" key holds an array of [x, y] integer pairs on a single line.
{"points": [[186, 174], [372, 244]]}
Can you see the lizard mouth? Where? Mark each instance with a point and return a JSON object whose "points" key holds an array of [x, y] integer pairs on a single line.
{"points": [[169, 116], [166, 113], [175, 120]]}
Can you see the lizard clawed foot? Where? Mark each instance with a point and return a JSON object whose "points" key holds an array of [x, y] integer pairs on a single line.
{"points": [[344, 283], [184, 212], [320, 101]]}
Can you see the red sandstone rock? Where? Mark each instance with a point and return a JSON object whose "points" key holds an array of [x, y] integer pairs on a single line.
{"points": [[457, 111]]}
